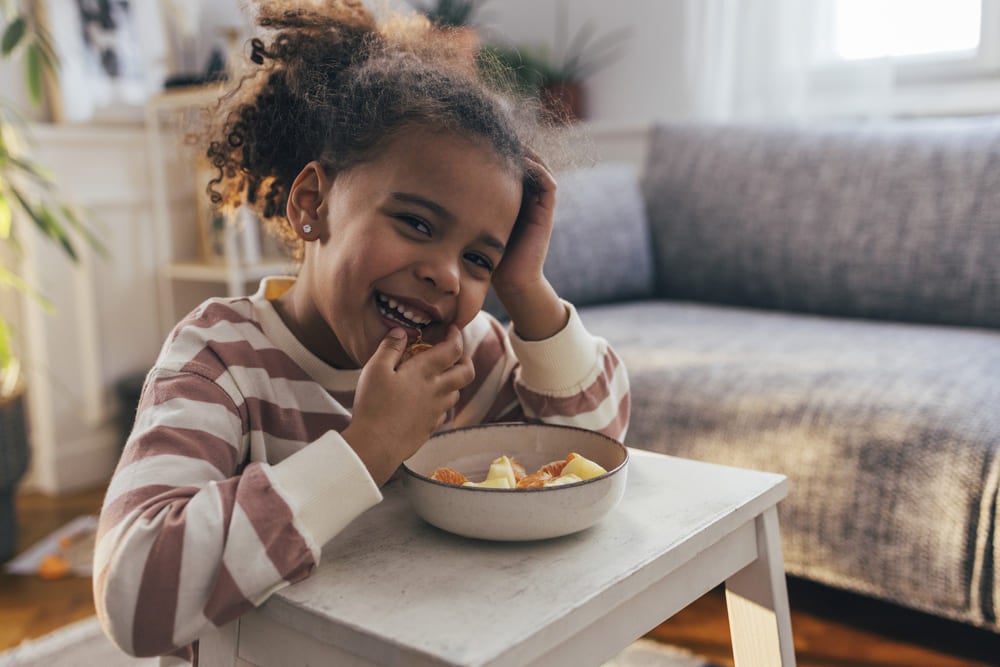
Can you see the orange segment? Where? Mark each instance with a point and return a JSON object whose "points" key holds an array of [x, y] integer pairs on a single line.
{"points": [[415, 349], [553, 468], [449, 476], [534, 480]]}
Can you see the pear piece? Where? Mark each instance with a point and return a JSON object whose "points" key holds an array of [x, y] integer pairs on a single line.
{"points": [[564, 479], [501, 468], [496, 483], [582, 467]]}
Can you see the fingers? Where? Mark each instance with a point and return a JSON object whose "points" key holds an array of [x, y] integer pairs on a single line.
{"points": [[391, 349], [442, 354], [540, 177]]}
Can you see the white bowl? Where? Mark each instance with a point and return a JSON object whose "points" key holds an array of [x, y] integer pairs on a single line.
{"points": [[514, 514]]}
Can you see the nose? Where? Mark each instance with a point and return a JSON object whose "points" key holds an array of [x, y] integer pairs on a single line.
{"points": [[443, 273]]}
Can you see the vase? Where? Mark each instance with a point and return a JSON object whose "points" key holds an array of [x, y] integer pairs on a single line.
{"points": [[14, 457], [564, 102]]}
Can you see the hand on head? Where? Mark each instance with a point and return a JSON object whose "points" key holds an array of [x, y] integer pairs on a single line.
{"points": [[528, 245], [399, 405]]}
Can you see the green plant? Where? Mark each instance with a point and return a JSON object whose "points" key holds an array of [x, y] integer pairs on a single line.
{"points": [[28, 192], [451, 13], [539, 65]]}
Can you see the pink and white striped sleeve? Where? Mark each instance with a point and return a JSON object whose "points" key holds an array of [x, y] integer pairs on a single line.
{"points": [[572, 378], [186, 538]]}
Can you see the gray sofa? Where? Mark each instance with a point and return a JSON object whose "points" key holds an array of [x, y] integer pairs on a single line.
{"points": [[823, 302]]}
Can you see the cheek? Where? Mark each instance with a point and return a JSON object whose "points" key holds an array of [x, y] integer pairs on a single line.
{"points": [[471, 303]]}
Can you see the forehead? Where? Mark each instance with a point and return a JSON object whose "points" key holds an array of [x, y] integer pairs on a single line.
{"points": [[467, 177]]}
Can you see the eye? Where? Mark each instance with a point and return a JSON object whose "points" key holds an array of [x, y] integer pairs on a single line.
{"points": [[479, 260], [418, 224]]}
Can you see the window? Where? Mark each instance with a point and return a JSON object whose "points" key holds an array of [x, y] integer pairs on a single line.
{"points": [[865, 29], [919, 57]]}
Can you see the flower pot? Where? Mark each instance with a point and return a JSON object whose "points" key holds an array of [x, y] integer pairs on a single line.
{"points": [[14, 457], [565, 102]]}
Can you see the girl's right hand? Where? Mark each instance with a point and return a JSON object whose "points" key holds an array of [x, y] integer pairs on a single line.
{"points": [[398, 406]]}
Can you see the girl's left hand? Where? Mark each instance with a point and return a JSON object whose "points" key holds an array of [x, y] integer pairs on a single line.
{"points": [[520, 270]]}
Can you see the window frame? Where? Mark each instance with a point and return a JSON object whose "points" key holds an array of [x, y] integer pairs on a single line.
{"points": [[922, 85]]}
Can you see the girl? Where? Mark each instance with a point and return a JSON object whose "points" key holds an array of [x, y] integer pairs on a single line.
{"points": [[270, 422]]}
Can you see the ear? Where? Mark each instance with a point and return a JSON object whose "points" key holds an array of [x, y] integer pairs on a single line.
{"points": [[305, 199]]}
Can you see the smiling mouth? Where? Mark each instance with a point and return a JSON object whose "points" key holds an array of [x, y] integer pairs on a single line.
{"points": [[400, 313]]}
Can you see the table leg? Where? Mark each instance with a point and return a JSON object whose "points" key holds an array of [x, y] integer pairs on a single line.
{"points": [[218, 647], [757, 600]]}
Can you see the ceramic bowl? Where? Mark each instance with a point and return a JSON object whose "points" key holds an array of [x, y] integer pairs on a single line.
{"points": [[514, 514]]}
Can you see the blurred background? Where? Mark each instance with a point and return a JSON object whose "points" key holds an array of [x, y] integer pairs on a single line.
{"points": [[109, 125]]}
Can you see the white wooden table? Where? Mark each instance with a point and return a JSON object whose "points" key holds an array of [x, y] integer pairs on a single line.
{"points": [[393, 590]]}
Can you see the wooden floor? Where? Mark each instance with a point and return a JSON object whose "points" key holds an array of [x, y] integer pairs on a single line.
{"points": [[831, 628]]}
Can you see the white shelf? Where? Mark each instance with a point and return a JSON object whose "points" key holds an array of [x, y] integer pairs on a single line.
{"points": [[222, 273]]}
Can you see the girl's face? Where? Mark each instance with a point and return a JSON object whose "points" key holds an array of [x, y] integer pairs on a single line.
{"points": [[407, 239]]}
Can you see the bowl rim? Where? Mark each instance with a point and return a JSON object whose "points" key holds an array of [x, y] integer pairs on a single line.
{"points": [[542, 489]]}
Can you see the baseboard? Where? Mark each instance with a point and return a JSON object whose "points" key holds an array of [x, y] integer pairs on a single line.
{"points": [[83, 464]]}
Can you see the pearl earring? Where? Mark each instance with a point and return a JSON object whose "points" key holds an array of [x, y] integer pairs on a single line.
{"points": [[307, 229]]}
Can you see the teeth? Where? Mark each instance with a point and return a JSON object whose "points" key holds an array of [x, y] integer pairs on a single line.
{"points": [[411, 317]]}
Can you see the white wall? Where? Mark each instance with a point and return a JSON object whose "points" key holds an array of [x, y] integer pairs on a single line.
{"points": [[646, 83], [104, 325]]}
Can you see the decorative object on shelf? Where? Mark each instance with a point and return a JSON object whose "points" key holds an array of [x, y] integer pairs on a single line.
{"points": [[226, 236], [203, 40], [109, 54], [557, 75], [212, 222], [29, 197]]}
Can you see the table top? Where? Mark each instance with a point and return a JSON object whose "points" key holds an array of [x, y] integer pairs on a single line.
{"points": [[392, 581]]}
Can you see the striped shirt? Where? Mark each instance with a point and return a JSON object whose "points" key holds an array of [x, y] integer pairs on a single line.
{"points": [[235, 474]]}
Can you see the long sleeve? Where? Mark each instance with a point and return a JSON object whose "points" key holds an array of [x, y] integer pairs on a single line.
{"points": [[572, 378], [202, 520]]}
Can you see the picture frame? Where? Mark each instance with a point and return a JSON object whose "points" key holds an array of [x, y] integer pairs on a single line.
{"points": [[213, 223], [226, 236], [112, 58]]}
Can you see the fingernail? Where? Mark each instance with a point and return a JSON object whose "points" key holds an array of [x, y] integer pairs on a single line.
{"points": [[397, 333]]}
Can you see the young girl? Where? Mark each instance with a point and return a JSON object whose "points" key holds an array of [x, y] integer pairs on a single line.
{"points": [[270, 422]]}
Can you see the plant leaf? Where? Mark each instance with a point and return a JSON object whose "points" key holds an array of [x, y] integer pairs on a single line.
{"points": [[46, 223], [6, 354], [56, 231], [13, 35], [74, 221], [14, 281], [33, 72], [6, 216], [48, 50]]}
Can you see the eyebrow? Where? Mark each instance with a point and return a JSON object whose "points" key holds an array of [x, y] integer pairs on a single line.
{"points": [[441, 211]]}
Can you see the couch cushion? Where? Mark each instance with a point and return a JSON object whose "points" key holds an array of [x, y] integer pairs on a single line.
{"points": [[896, 221], [888, 434], [600, 248]]}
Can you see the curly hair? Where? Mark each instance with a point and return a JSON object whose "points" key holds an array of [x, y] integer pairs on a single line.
{"points": [[334, 84]]}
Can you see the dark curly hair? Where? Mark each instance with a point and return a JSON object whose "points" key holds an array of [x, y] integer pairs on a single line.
{"points": [[334, 84]]}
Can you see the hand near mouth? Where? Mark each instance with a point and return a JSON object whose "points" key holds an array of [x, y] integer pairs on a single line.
{"points": [[400, 404]]}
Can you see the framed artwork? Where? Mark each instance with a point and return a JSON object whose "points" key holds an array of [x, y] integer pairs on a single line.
{"points": [[226, 236], [111, 57], [213, 223]]}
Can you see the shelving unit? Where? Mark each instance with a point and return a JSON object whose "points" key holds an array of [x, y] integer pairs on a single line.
{"points": [[177, 196]]}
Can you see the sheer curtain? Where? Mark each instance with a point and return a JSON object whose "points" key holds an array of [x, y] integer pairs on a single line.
{"points": [[759, 60]]}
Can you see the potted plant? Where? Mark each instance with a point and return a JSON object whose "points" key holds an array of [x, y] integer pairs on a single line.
{"points": [[456, 17], [28, 197], [557, 75]]}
